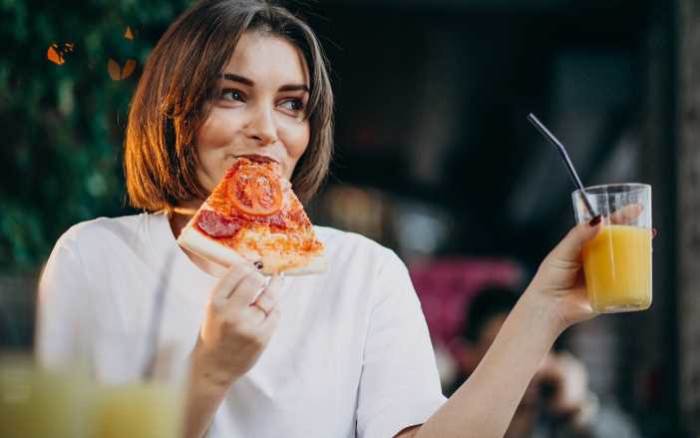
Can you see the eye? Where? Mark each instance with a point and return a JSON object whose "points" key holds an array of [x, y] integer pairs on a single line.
{"points": [[230, 94], [293, 105]]}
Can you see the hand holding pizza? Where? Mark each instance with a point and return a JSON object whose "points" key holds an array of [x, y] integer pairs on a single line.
{"points": [[240, 318]]}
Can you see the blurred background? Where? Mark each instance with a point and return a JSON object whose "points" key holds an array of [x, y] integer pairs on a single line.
{"points": [[434, 157]]}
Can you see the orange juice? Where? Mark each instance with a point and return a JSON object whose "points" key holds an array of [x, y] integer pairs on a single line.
{"points": [[139, 410], [35, 403], [617, 265]]}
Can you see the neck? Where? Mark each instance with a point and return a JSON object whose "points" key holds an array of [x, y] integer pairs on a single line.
{"points": [[179, 217], [181, 214]]}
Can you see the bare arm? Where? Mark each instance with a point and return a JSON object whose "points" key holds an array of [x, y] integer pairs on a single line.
{"points": [[492, 393], [235, 331], [205, 392], [409, 432], [484, 405]]}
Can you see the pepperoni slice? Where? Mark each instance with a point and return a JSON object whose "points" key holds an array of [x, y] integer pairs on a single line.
{"points": [[256, 190], [216, 225]]}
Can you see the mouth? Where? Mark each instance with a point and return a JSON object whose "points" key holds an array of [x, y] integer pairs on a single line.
{"points": [[258, 158]]}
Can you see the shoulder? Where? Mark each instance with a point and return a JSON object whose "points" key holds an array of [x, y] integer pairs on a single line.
{"points": [[354, 257], [85, 250], [116, 227], [88, 238], [345, 244]]}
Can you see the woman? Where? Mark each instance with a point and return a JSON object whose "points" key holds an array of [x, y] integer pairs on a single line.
{"points": [[344, 353]]}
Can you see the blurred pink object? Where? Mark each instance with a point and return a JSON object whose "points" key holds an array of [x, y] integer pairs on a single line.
{"points": [[444, 287]]}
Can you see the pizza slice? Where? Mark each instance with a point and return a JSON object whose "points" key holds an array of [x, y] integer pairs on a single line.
{"points": [[253, 216]]}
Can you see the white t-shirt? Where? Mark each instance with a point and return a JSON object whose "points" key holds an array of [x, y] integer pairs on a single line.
{"points": [[351, 355]]}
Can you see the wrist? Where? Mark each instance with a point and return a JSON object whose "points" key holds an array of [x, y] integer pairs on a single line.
{"points": [[204, 371], [543, 309]]}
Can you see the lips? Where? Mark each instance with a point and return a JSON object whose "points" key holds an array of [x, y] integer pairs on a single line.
{"points": [[258, 158]]}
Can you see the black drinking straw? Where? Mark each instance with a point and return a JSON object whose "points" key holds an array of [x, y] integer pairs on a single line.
{"points": [[565, 156]]}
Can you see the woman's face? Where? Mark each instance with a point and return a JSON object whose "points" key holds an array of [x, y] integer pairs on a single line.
{"points": [[259, 108]]}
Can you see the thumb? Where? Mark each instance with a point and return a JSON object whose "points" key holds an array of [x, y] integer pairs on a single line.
{"points": [[569, 249]]}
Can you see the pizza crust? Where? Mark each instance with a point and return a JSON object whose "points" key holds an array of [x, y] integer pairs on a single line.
{"points": [[193, 240]]}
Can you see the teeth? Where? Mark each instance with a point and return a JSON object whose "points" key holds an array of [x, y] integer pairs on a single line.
{"points": [[258, 155]]}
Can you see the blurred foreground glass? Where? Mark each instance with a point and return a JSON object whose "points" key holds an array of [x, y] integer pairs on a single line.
{"points": [[37, 403], [617, 263], [138, 410]]}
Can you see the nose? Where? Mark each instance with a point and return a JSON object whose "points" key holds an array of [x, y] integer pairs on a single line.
{"points": [[261, 127]]}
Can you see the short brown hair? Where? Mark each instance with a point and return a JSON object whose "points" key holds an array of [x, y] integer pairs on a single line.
{"points": [[171, 100]]}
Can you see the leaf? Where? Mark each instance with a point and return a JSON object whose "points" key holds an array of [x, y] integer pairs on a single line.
{"points": [[56, 53], [114, 70], [117, 73], [128, 68], [53, 55]]}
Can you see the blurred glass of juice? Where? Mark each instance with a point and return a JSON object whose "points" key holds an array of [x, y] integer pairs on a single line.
{"points": [[36, 403], [139, 410]]}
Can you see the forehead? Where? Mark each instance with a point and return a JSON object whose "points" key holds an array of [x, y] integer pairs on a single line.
{"points": [[267, 58]]}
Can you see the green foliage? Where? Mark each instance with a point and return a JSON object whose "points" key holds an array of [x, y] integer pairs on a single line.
{"points": [[63, 125]]}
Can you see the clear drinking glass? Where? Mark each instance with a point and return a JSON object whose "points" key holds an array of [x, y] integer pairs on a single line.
{"points": [[618, 262], [138, 410], [35, 402], [38, 403]]}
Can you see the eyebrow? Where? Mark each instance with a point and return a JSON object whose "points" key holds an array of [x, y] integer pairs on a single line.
{"points": [[245, 81]]}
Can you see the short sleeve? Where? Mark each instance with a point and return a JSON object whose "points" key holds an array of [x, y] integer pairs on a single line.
{"points": [[61, 307], [399, 386]]}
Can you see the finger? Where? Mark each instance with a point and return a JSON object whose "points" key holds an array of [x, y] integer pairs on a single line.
{"points": [[273, 282], [249, 287], [267, 300], [273, 288], [259, 312], [229, 282], [264, 322], [581, 303], [265, 303], [627, 214], [569, 249], [270, 323]]}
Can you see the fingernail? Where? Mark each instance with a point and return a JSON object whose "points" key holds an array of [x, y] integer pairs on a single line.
{"points": [[595, 221]]}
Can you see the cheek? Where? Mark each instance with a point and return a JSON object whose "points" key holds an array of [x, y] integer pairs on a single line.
{"points": [[296, 143], [211, 142], [297, 140], [215, 133]]}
